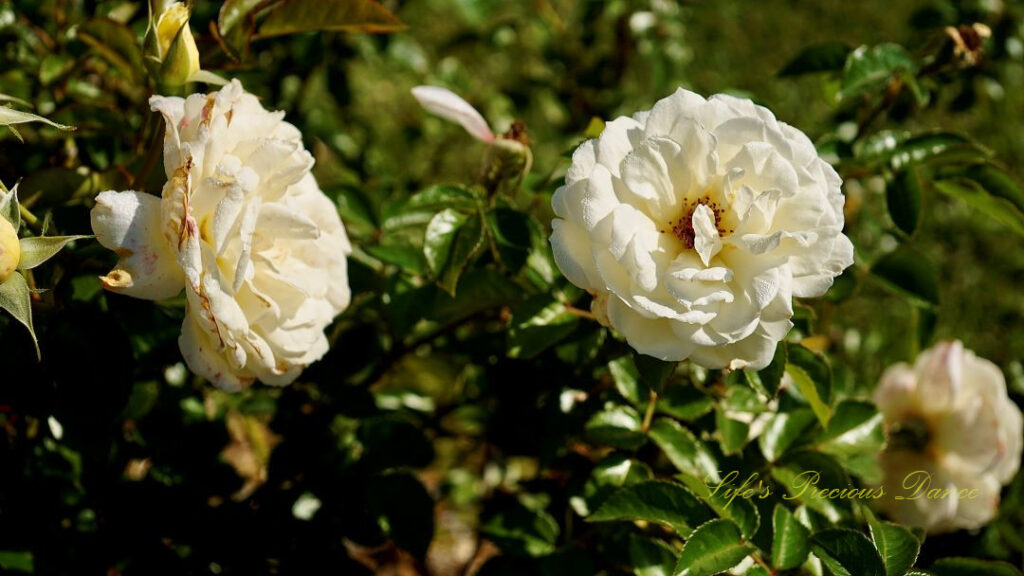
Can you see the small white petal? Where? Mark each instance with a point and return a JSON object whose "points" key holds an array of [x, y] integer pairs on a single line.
{"points": [[451, 106]]}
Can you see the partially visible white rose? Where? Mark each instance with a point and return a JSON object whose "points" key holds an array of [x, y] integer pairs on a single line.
{"points": [[949, 422], [10, 249], [693, 226], [244, 228]]}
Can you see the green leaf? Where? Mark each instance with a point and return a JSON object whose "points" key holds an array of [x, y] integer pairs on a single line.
{"points": [[469, 242], [235, 24], [654, 501], [479, 290], [972, 567], [439, 238], [791, 544], [9, 116], [615, 471], [684, 450], [17, 561], [298, 16], [895, 544], [847, 553], [731, 499], [903, 197], [512, 237], [771, 376], [684, 402], [901, 149], [404, 510], [989, 190], [823, 57], [855, 427], [407, 257], [538, 324], [653, 372], [116, 43], [618, 427], [712, 548], [16, 299], [867, 69], [437, 198], [908, 273], [805, 474], [35, 251], [521, 529], [813, 378], [783, 430], [627, 381], [732, 434], [650, 557]]}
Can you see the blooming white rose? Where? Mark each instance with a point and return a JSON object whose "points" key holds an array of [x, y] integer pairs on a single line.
{"points": [[244, 228], [694, 224], [949, 426]]}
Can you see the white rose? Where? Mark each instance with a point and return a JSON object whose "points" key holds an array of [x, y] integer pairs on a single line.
{"points": [[950, 424], [244, 228], [694, 224]]}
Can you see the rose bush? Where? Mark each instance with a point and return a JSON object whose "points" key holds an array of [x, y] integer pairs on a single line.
{"points": [[695, 224], [948, 419], [244, 228]]}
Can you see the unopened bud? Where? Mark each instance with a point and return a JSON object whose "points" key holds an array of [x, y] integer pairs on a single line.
{"points": [[508, 158], [10, 249], [178, 54]]}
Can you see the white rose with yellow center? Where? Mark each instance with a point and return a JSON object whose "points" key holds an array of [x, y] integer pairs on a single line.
{"points": [[243, 227], [693, 226], [954, 438]]}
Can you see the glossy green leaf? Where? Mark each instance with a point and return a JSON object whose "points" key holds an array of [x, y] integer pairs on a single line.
{"points": [[654, 501], [783, 430], [908, 273], [627, 381], [847, 553], [618, 427], [683, 449], [684, 402], [771, 376], [732, 497], [440, 236], [823, 57], [16, 299], [813, 379], [298, 16], [972, 567], [903, 197], [538, 324], [897, 546], [791, 541], [437, 198], [522, 530], [712, 548], [867, 68], [805, 474], [36, 250], [855, 426], [732, 434]]}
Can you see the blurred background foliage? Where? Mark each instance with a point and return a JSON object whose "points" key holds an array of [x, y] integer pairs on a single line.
{"points": [[442, 431]]}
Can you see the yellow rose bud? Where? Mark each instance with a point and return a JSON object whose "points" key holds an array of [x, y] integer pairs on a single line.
{"points": [[178, 52], [10, 249]]}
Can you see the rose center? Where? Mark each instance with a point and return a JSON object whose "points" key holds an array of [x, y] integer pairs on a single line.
{"points": [[912, 434], [683, 227]]}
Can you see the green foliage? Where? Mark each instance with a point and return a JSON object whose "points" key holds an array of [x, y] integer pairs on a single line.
{"points": [[472, 416]]}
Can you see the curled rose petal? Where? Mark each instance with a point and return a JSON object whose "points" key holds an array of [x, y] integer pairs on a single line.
{"points": [[452, 107]]}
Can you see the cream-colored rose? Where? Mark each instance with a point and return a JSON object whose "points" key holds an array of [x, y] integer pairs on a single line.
{"points": [[694, 225], [950, 427], [244, 228], [10, 249]]}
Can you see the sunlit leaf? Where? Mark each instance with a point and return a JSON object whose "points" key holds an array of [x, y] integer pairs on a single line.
{"points": [[36, 250], [297, 16], [712, 548], [16, 299]]}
